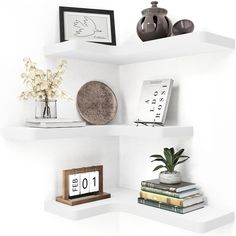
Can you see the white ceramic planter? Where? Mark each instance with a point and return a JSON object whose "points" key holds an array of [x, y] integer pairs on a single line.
{"points": [[166, 177]]}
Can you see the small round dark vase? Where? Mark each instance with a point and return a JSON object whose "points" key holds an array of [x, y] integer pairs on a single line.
{"points": [[154, 24], [183, 27]]}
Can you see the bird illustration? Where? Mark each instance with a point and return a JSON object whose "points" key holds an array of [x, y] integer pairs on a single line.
{"points": [[85, 27]]}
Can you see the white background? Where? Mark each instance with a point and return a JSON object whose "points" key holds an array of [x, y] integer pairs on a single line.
{"points": [[204, 97]]}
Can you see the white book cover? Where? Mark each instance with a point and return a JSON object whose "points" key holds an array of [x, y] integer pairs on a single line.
{"points": [[54, 123], [154, 101], [189, 201], [37, 121]]}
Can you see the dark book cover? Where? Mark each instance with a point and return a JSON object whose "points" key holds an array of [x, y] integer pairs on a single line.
{"points": [[155, 183], [180, 210], [182, 194]]}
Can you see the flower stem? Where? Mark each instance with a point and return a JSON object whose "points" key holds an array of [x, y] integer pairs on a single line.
{"points": [[46, 110]]}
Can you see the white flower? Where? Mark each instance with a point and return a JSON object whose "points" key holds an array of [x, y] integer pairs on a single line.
{"points": [[43, 84]]}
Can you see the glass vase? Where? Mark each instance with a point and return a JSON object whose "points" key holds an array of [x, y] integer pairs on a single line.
{"points": [[46, 109]]}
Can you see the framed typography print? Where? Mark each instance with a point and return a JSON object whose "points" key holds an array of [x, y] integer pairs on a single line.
{"points": [[82, 185], [154, 101], [91, 25]]}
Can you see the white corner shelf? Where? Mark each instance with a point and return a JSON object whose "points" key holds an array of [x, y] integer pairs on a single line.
{"points": [[124, 200], [176, 46], [21, 133]]}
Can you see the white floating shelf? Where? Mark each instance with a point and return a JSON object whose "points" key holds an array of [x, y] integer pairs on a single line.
{"points": [[177, 46], [22, 133], [124, 200]]}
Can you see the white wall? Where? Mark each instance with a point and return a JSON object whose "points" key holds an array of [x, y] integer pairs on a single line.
{"points": [[202, 89], [27, 26]]}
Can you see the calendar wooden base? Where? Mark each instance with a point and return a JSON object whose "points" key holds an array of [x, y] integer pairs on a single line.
{"points": [[82, 200]]}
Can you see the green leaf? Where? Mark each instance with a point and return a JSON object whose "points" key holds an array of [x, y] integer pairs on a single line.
{"points": [[158, 167], [184, 156], [177, 155], [156, 155], [159, 159], [169, 168], [172, 150], [168, 156], [180, 152], [179, 162], [176, 159]]}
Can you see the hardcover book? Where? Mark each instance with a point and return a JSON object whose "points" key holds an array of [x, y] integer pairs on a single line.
{"points": [[155, 183], [154, 101], [182, 202], [181, 210], [172, 194]]}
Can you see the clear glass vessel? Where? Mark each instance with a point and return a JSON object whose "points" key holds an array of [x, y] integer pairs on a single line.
{"points": [[46, 109]]}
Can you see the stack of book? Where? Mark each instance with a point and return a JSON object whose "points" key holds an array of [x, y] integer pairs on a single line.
{"points": [[181, 198], [54, 123]]}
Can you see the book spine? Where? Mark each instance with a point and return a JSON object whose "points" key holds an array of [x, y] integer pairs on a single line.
{"points": [[162, 198], [161, 206], [160, 191], [152, 185]]}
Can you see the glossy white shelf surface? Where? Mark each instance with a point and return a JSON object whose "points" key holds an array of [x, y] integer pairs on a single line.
{"points": [[124, 200], [176, 46], [21, 133]]}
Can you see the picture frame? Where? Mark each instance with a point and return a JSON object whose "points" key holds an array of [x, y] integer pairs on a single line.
{"points": [[154, 102], [82, 185], [89, 25]]}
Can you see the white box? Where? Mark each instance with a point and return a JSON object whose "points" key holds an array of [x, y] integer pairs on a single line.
{"points": [[94, 181], [84, 183]]}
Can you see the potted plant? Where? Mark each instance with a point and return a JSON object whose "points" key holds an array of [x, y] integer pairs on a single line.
{"points": [[44, 88], [170, 160]]}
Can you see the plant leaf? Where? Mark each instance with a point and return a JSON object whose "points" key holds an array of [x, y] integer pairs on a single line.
{"points": [[158, 167], [168, 156], [156, 155], [183, 156], [172, 150], [160, 159], [176, 159], [157, 159], [179, 162], [179, 153], [169, 168]]}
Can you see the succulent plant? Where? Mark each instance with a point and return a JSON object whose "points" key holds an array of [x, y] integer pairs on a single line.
{"points": [[170, 160]]}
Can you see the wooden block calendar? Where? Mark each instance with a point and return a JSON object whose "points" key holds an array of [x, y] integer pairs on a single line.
{"points": [[82, 185]]}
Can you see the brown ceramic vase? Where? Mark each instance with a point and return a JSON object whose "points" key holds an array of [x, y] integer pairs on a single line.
{"points": [[154, 24]]}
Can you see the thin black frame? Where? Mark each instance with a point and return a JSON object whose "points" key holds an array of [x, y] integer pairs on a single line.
{"points": [[87, 10]]}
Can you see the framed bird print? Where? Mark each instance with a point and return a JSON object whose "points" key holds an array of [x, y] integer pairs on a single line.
{"points": [[154, 101], [91, 25]]}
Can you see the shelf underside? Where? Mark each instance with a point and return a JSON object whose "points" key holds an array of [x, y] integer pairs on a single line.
{"points": [[177, 46], [124, 200], [27, 134]]}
